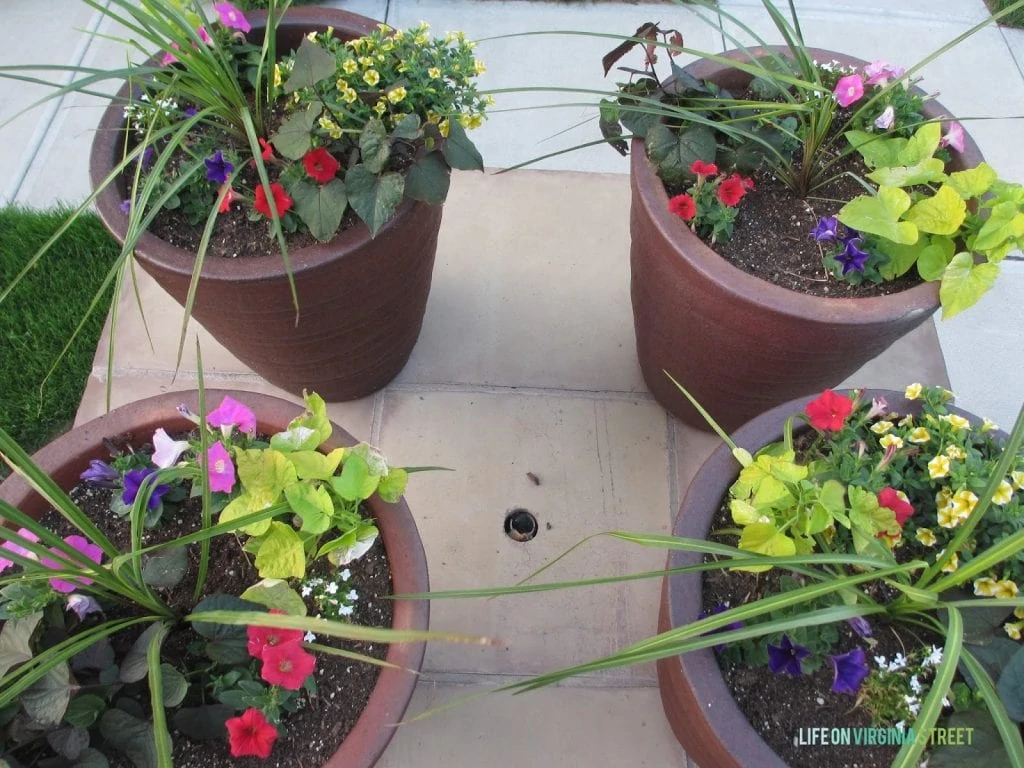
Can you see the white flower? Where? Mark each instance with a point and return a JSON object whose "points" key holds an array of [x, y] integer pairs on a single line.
{"points": [[306, 590], [915, 684], [913, 704], [934, 658], [309, 637], [346, 575], [352, 595], [899, 661], [880, 662], [331, 589], [346, 610], [167, 451]]}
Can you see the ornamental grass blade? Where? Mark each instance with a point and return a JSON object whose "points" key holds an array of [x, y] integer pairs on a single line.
{"points": [[1009, 731]]}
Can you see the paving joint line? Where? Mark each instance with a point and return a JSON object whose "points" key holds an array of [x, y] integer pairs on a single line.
{"points": [[498, 678]]}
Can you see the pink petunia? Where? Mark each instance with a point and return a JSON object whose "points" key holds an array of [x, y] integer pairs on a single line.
{"points": [[953, 137], [17, 549], [849, 89], [204, 35], [232, 17], [170, 58], [231, 413], [220, 468], [885, 120], [84, 546]]}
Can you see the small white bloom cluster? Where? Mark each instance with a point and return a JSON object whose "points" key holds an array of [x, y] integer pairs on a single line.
{"points": [[139, 113], [910, 671], [333, 597]]}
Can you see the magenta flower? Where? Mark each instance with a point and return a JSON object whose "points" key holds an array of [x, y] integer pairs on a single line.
{"points": [[17, 549], [786, 657], [231, 17], [231, 413], [953, 137], [220, 468], [204, 35], [885, 120], [84, 546], [878, 72], [850, 669], [170, 58], [849, 89]]}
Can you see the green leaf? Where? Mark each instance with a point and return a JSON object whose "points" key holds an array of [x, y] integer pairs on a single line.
{"points": [[313, 504], [14, 641], [1004, 221], [925, 172], [408, 127], [175, 685], [901, 257], [47, 700], [356, 481], [993, 656], [312, 64], [935, 257], [964, 283], [1011, 686], [275, 593], [165, 568], [374, 146], [203, 723], [68, 742], [766, 539], [459, 150], [313, 465], [880, 214], [353, 545], [130, 736], [264, 473], [392, 485], [673, 153], [244, 505], [921, 145], [985, 749], [374, 197], [220, 602], [877, 152], [281, 555], [941, 214], [973, 182], [134, 668], [84, 710], [293, 137], [429, 179], [305, 432], [320, 206]]}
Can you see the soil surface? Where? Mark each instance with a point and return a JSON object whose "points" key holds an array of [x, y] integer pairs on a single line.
{"points": [[313, 733]]}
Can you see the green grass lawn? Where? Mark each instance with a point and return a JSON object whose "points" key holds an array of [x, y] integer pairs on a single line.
{"points": [[39, 316], [1015, 19]]}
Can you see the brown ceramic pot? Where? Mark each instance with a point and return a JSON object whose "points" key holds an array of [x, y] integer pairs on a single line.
{"points": [[699, 706], [739, 344], [66, 457], [361, 299]]}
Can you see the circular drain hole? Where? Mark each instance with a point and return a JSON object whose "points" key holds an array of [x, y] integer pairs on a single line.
{"points": [[520, 524]]}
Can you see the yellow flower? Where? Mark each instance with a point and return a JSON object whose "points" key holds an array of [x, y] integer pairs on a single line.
{"points": [[443, 127], [953, 564], [891, 441], [356, 44], [395, 95], [938, 467], [944, 496], [311, 37], [881, 427], [277, 76], [490, 103], [475, 121], [420, 39], [987, 425], [955, 452], [948, 517], [1006, 588], [349, 94], [380, 58], [906, 421], [985, 587], [366, 61], [919, 435], [478, 67], [435, 73], [1017, 479], [388, 46], [335, 132], [349, 66], [371, 77], [326, 123], [955, 421], [383, 27], [913, 391], [964, 501], [399, 35], [380, 107], [1003, 494], [402, 66], [1019, 611], [1013, 629], [329, 32], [926, 537]]}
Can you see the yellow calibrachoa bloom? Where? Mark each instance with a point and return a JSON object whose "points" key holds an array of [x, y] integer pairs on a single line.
{"points": [[987, 425], [349, 94], [366, 62], [985, 587], [277, 76], [380, 107], [948, 517], [420, 40], [395, 95], [326, 123], [953, 564], [891, 441], [964, 502], [956, 421], [329, 32], [919, 435], [443, 127], [1017, 478], [926, 537], [881, 427], [938, 467], [435, 73], [913, 391], [1006, 588], [355, 44], [1013, 629], [1003, 494], [1019, 611], [349, 66], [478, 67], [311, 37], [371, 77], [955, 452]]}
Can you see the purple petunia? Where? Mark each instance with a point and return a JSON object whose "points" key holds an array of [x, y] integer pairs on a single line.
{"points": [[133, 481], [101, 474], [858, 623], [217, 168], [850, 669], [852, 258], [728, 627], [786, 657], [827, 230]]}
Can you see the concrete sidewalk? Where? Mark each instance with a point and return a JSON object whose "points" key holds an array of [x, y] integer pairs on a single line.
{"points": [[506, 381]]}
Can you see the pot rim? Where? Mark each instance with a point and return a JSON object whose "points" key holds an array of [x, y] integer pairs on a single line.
{"points": [[108, 143], [66, 456], [922, 298]]}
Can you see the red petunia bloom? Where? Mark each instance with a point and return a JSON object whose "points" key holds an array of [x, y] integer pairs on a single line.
{"points": [[890, 499], [287, 665], [732, 190], [250, 735], [281, 200], [225, 204], [700, 168], [320, 165], [829, 411], [268, 150], [683, 206], [261, 638], [748, 183]]}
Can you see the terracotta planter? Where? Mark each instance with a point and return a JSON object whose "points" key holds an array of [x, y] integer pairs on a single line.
{"points": [[739, 344], [66, 457], [361, 300], [699, 706]]}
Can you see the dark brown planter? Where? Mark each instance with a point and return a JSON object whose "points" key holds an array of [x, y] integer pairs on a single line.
{"points": [[698, 704], [66, 457], [361, 300], [739, 344]]}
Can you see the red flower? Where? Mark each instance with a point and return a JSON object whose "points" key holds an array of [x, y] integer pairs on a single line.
{"points": [[287, 665], [281, 200], [683, 207], [889, 498], [268, 150], [700, 168], [261, 638], [829, 411], [251, 735], [320, 165], [229, 198], [732, 190], [748, 183]]}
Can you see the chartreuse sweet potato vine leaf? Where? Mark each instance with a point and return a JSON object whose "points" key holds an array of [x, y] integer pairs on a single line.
{"points": [[940, 214], [925, 172], [276, 594], [880, 215], [973, 182], [305, 432], [964, 282], [281, 555], [1004, 222], [934, 257]]}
